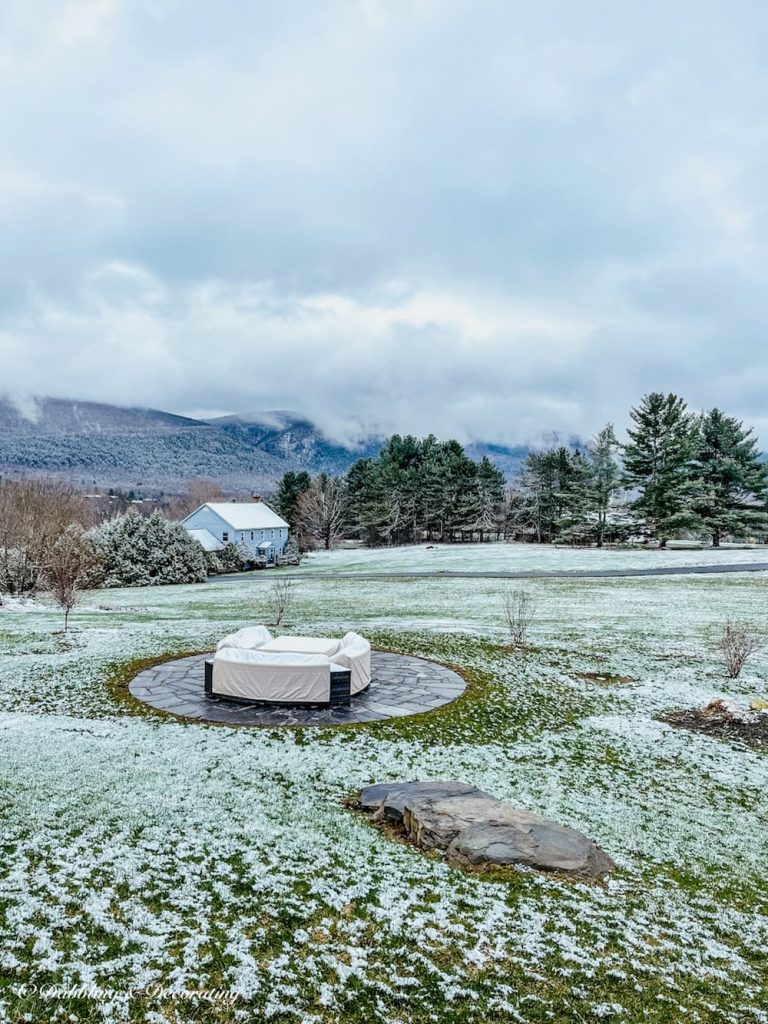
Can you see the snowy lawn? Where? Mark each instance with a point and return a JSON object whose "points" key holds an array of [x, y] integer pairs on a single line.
{"points": [[503, 557], [153, 857]]}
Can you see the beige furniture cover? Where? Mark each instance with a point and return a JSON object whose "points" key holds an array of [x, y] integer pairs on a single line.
{"points": [[247, 639], [354, 653], [257, 675], [303, 645]]}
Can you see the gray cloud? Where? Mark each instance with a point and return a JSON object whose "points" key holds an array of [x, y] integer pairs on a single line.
{"points": [[490, 220]]}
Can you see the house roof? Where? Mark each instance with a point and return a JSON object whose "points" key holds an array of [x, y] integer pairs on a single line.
{"points": [[206, 538], [244, 515]]}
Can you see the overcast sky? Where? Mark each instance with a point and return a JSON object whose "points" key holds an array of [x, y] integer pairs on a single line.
{"points": [[488, 220]]}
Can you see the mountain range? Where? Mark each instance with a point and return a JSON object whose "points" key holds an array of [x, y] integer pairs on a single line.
{"points": [[94, 445]]}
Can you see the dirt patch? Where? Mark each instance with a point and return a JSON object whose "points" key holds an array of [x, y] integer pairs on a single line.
{"points": [[605, 678], [724, 722]]}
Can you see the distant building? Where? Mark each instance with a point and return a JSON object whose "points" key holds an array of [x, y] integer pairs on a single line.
{"points": [[249, 523]]}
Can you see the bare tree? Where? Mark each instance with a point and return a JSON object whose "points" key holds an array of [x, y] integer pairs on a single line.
{"points": [[738, 643], [322, 509], [70, 567], [198, 490], [279, 599], [519, 611], [33, 515]]}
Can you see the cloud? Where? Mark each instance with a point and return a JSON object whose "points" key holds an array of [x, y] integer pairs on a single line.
{"points": [[492, 222]]}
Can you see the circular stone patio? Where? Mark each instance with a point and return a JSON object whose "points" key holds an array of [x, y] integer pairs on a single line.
{"points": [[400, 686]]}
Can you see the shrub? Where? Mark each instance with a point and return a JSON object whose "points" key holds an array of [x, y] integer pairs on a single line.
{"points": [[519, 609], [738, 643], [279, 599], [290, 554], [140, 552]]}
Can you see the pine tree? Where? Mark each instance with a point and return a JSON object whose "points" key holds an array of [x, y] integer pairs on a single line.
{"points": [[734, 482], [659, 463], [573, 497], [554, 482], [489, 498], [286, 498], [605, 479], [229, 558]]}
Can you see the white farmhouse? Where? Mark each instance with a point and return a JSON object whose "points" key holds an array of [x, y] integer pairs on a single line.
{"points": [[251, 523]]}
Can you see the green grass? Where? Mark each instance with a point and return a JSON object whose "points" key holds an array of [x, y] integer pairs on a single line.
{"points": [[129, 835]]}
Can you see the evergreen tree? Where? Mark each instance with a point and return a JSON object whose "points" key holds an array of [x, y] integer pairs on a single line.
{"points": [[734, 482], [605, 479], [418, 488], [659, 463], [554, 483], [286, 498], [245, 556], [573, 497], [489, 498], [229, 558], [139, 552]]}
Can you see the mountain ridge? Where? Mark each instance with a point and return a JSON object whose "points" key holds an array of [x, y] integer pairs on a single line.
{"points": [[95, 444]]}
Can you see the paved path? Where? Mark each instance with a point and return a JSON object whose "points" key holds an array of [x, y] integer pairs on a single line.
{"points": [[531, 574], [400, 685]]}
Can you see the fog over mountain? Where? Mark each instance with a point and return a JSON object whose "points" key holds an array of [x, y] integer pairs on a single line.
{"points": [[97, 445]]}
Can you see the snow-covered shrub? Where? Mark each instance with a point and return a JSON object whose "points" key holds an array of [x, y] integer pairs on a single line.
{"points": [[19, 574], [245, 556], [213, 563], [290, 554], [230, 558], [140, 552]]}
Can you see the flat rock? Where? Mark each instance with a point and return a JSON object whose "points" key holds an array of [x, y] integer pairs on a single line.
{"points": [[434, 822], [387, 800], [477, 830], [541, 844]]}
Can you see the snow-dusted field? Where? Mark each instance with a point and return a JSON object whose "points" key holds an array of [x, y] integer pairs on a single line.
{"points": [[140, 852], [519, 558]]}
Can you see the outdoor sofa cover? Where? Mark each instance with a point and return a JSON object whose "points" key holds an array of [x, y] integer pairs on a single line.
{"points": [[257, 675], [247, 639], [354, 653]]}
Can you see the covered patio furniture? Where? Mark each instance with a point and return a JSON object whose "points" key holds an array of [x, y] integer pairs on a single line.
{"points": [[277, 677]]}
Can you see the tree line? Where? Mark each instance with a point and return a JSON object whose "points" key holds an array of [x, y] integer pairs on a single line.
{"points": [[414, 489], [678, 473]]}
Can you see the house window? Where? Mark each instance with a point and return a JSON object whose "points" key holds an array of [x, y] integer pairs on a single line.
{"points": [[242, 536], [271, 534], [251, 534], [225, 536]]}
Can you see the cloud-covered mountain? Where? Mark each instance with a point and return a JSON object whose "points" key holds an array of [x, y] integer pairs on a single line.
{"points": [[97, 445]]}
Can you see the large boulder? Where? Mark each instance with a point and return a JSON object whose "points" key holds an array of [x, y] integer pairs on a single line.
{"points": [[477, 830]]}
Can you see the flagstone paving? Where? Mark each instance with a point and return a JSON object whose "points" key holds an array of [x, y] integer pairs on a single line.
{"points": [[400, 685]]}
